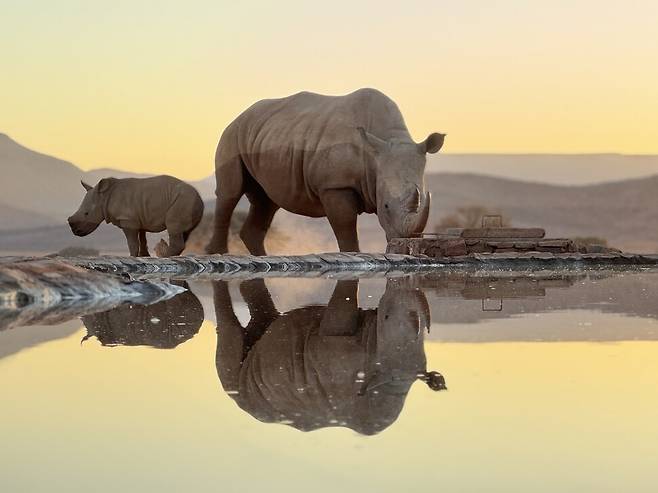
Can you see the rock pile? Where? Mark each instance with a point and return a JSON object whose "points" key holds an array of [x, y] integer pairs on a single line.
{"points": [[456, 242]]}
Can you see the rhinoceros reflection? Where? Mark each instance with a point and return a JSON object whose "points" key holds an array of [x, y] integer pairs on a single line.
{"points": [[321, 366], [163, 325]]}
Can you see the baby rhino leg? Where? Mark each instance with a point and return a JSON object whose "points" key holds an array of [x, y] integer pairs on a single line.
{"points": [[143, 247], [133, 241]]}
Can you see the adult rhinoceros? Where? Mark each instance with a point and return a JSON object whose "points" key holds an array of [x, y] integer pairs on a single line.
{"points": [[315, 155]]}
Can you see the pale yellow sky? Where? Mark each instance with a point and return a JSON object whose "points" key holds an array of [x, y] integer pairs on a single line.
{"points": [[149, 86]]}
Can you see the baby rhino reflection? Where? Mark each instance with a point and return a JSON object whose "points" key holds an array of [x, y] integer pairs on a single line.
{"points": [[162, 325], [321, 366]]}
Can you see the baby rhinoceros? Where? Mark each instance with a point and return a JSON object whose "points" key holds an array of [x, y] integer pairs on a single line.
{"points": [[138, 206]]}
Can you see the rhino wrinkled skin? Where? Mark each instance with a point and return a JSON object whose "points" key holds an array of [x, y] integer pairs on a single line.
{"points": [[317, 156], [138, 206]]}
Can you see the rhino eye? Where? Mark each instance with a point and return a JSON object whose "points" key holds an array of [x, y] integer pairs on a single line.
{"points": [[385, 206], [86, 213]]}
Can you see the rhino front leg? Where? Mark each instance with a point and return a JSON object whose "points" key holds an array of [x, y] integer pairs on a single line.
{"points": [[341, 318], [143, 247], [341, 208], [133, 241]]}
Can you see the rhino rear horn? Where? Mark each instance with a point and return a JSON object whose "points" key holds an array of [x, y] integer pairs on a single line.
{"points": [[86, 186], [414, 201], [423, 214]]}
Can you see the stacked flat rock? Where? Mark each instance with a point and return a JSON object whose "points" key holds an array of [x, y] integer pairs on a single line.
{"points": [[455, 242]]}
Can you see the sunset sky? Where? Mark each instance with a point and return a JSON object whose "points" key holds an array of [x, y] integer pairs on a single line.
{"points": [[149, 86]]}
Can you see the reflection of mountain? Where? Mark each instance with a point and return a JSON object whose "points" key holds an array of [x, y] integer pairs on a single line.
{"points": [[456, 303], [40, 190], [162, 325], [457, 299], [14, 341], [323, 365]]}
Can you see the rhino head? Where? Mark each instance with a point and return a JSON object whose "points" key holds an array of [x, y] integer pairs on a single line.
{"points": [[402, 203], [91, 211], [403, 316]]}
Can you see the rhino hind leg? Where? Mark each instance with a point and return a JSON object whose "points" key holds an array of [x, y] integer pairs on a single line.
{"points": [[259, 219], [230, 187], [176, 244]]}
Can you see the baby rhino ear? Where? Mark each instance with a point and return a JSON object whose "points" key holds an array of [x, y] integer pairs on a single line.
{"points": [[432, 144], [86, 186], [106, 184]]}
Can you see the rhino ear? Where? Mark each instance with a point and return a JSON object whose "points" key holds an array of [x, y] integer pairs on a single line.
{"points": [[376, 144], [86, 186], [106, 184], [432, 144]]}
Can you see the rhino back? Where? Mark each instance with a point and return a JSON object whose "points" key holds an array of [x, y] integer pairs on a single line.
{"points": [[143, 203], [298, 145]]}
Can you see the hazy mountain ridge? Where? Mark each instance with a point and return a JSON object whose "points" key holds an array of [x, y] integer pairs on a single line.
{"points": [[40, 190], [557, 169]]}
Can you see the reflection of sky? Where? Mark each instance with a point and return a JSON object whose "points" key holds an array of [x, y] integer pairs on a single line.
{"points": [[507, 76], [517, 416], [526, 416]]}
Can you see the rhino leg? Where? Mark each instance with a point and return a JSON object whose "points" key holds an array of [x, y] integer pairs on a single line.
{"points": [[143, 247], [176, 244], [230, 338], [262, 311], [230, 187], [341, 318], [259, 219], [133, 241], [342, 208]]}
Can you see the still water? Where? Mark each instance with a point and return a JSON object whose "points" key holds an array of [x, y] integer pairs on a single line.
{"points": [[441, 382]]}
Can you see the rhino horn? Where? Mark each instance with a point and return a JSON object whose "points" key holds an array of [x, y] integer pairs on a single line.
{"points": [[423, 212]]}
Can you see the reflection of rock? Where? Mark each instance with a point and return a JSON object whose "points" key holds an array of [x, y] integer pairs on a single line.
{"points": [[322, 366], [460, 300], [47, 292], [504, 285], [162, 325]]}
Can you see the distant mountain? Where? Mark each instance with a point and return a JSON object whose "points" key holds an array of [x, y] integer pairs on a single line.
{"points": [[556, 169], [624, 212], [14, 218], [35, 182], [39, 190]]}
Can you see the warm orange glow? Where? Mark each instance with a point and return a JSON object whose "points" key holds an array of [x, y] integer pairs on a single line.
{"points": [[513, 413]]}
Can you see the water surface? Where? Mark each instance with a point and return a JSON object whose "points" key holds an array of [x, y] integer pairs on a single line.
{"points": [[439, 382]]}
